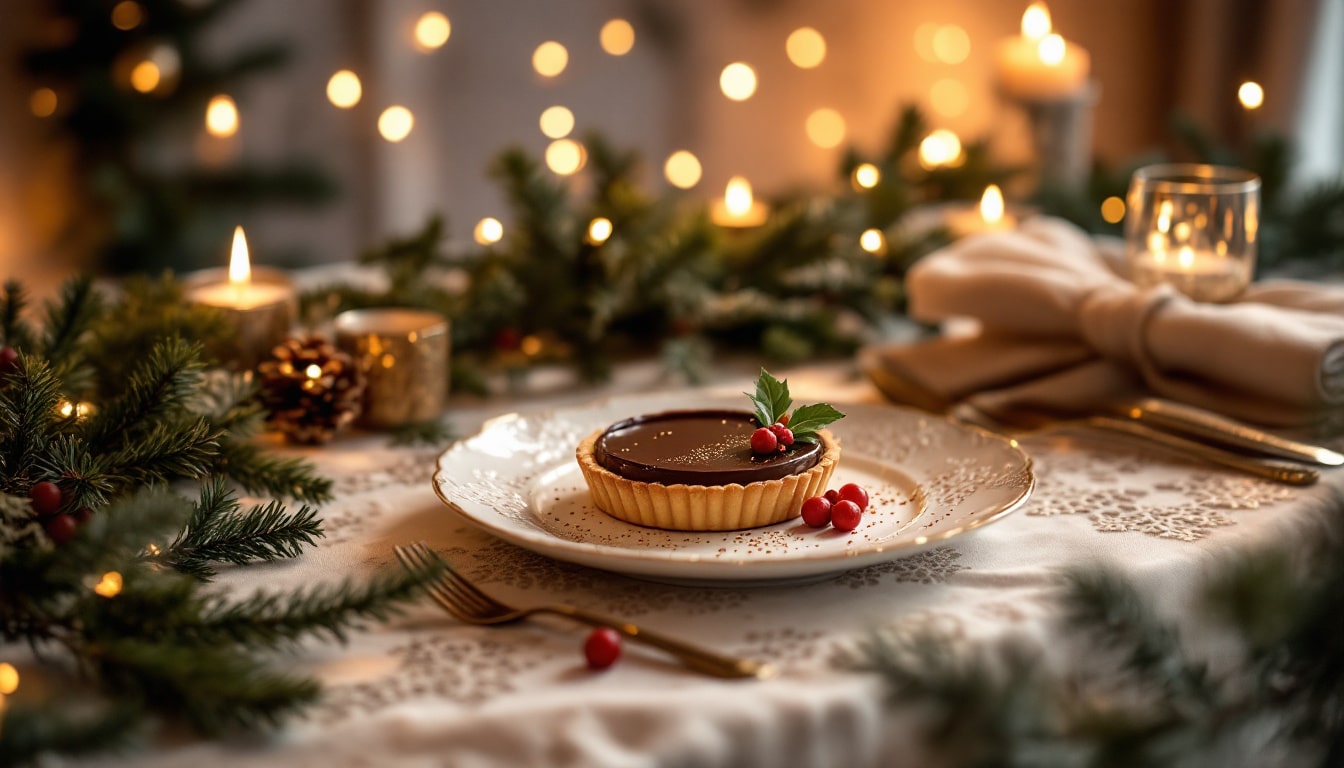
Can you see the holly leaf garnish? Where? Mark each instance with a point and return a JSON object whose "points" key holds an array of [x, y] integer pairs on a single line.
{"points": [[772, 403], [771, 399], [805, 421]]}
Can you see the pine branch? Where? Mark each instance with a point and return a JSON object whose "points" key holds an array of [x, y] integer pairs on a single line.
{"points": [[219, 532], [434, 432], [161, 384], [184, 449], [215, 688], [269, 620], [260, 472], [68, 319], [17, 332], [29, 732], [28, 420]]}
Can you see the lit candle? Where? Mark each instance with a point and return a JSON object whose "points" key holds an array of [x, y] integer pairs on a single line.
{"points": [[738, 209], [1039, 65], [260, 304], [991, 215]]}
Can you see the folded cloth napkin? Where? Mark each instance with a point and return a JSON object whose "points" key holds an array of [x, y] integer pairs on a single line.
{"points": [[1060, 327]]}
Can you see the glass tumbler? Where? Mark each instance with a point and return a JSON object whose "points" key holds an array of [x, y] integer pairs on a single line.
{"points": [[1193, 227]]}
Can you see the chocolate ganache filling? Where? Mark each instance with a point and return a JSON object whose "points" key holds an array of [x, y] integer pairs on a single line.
{"points": [[696, 448]]}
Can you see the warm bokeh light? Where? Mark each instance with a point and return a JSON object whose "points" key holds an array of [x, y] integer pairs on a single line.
{"points": [[738, 81], [145, 76], [617, 37], [1251, 95], [432, 31], [395, 123], [866, 176], [344, 90], [127, 15], [949, 97], [682, 169], [939, 148], [991, 204], [1051, 49], [873, 241], [43, 102], [565, 157], [550, 59], [826, 128], [1036, 21], [221, 116], [109, 585], [557, 122], [531, 345], [737, 197], [488, 231], [240, 263], [924, 35], [951, 44], [806, 47], [9, 678], [599, 230], [1113, 210]]}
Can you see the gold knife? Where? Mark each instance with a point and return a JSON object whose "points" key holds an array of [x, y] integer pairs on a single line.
{"points": [[1198, 422]]}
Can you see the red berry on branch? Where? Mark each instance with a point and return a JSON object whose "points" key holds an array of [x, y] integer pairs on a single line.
{"points": [[845, 515], [764, 441], [61, 528], [855, 493], [784, 420], [46, 498], [508, 339], [817, 512], [783, 434], [9, 360], [602, 648], [82, 515]]}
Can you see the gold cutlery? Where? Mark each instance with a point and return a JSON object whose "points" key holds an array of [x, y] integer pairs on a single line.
{"points": [[1024, 423], [1200, 423], [465, 601]]}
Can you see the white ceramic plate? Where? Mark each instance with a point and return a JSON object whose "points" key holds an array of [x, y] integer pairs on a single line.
{"points": [[929, 480]]}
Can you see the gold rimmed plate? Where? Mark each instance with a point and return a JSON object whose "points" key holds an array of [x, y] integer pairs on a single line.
{"points": [[930, 481]]}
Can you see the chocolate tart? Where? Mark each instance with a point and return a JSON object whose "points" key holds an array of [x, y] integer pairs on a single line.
{"points": [[695, 471]]}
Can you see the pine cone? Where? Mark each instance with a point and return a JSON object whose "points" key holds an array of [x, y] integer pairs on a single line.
{"points": [[312, 389]]}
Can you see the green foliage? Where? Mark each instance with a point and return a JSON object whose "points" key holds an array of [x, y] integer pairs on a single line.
{"points": [[157, 645], [772, 402], [1127, 688]]}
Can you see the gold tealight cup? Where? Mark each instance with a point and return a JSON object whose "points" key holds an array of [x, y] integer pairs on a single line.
{"points": [[403, 353]]}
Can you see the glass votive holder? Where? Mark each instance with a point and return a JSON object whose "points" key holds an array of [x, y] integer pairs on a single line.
{"points": [[403, 353], [1193, 227]]}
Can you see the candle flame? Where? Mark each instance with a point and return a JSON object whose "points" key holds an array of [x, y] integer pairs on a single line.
{"points": [[1036, 22], [1185, 257], [1051, 50], [991, 204], [240, 268], [737, 196]]}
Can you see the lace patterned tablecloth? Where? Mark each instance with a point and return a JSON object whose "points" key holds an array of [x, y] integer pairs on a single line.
{"points": [[427, 690]]}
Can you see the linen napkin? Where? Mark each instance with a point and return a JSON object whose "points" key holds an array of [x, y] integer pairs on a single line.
{"points": [[1061, 328]]}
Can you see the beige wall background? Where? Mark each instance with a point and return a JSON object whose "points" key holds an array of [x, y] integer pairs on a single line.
{"points": [[478, 94]]}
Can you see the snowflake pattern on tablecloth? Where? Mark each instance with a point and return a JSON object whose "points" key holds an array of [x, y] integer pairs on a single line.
{"points": [[498, 562], [1078, 477], [788, 649], [461, 669], [931, 567], [405, 466]]}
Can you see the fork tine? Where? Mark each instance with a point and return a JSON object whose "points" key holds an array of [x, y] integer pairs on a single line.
{"points": [[469, 594], [414, 560]]}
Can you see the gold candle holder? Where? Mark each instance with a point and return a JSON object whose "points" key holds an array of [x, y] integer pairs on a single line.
{"points": [[261, 312], [404, 354]]}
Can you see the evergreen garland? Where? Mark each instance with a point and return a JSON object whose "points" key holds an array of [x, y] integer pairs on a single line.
{"points": [[117, 608], [1130, 690]]}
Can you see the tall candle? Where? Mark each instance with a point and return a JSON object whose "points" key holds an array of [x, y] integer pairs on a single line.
{"points": [[259, 304], [1039, 65]]}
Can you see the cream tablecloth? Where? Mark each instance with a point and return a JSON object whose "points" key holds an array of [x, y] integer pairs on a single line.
{"points": [[429, 691]]}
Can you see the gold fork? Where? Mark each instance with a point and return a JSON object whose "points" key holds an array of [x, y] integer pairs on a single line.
{"points": [[465, 601]]}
